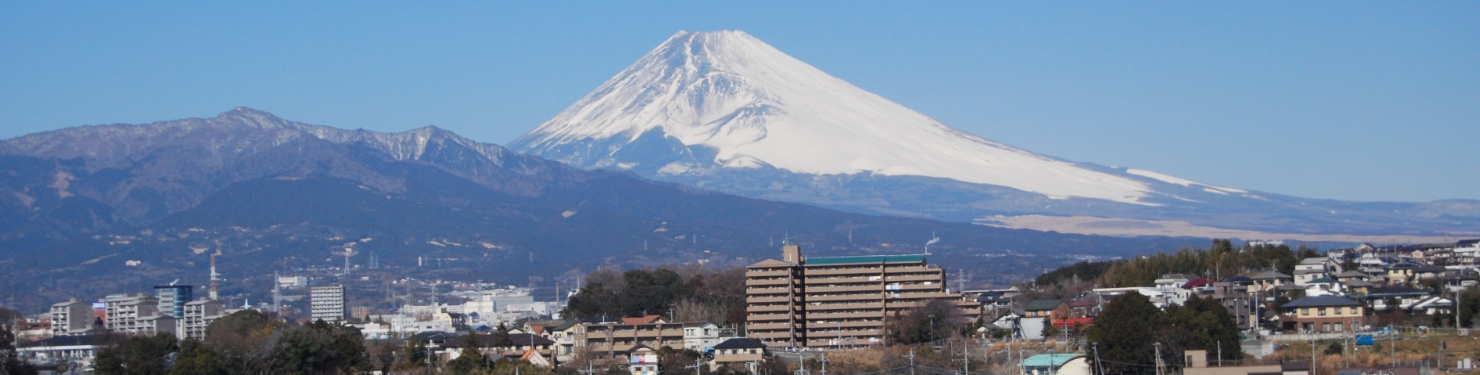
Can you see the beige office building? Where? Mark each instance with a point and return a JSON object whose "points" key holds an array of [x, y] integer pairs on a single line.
{"points": [[839, 301]]}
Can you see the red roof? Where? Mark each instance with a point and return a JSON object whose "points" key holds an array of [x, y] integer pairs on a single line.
{"points": [[650, 319], [1197, 283], [1070, 322]]}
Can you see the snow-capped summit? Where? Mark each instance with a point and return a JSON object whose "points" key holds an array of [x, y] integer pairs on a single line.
{"points": [[726, 100]]}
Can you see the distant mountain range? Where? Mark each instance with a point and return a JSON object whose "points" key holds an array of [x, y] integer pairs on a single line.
{"points": [[93, 210], [725, 111]]}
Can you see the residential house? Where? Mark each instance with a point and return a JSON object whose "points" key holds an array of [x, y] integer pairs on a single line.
{"points": [[1312, 268], [1235, 298], [1266, 281], [1404, 296], [1046, 308], [738, 353], [1056, 364], [643, 360], [1321, 314]]}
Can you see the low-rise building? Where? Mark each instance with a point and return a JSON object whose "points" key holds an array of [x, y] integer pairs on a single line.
{"points": [[738, 353], [1321, 314]]}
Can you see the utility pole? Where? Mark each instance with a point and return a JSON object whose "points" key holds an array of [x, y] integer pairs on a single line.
{"points": [[1098, 365], [1160, 367], [1220, 354], [912, 361]]}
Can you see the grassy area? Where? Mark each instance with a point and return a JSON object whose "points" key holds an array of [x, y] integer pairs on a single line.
{"points": [[1408, 349]]}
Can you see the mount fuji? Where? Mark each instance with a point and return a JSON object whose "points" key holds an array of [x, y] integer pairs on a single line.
{"points": [[723, 110]]}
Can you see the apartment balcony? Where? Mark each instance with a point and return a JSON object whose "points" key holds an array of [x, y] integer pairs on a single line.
{"points": [[768, 308], [845, 333], [909, 269], [770, 335], [752, 327], [768, 290], [937, 278], [767, 273], [845, 289], [845, 315], [846, 297], [767, 317], [845, 271], [835, 325], [767, 282], [844, 306], [767, 299], [810, 280]]}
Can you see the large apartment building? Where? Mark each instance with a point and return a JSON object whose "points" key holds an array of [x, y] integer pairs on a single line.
{"points": [[125, 312], [839, 301], [327, 303], [71, 318]]}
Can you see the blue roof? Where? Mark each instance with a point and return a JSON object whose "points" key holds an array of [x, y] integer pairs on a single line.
{"points": [[1043, 360], [865, 259]]}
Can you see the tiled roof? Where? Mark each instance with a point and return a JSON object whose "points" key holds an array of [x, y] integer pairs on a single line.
{"points": [[1042, 304], [1321, 301]]}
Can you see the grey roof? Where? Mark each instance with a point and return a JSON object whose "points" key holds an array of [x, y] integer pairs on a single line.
{"points": [[1271, 274], [1352, 273], [1322, 301], [1043, 304], [740, 343]]}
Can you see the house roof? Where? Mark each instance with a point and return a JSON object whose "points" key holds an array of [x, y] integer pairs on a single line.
{"points": [[1429, 268], [1352, 273], [1045, 360], [1239, 280], [1321, 301], [1197, 283], [1395, 291], [1271, 274], [1323, 280], [1178, 276], [865, 259], [649, 319], [1070, 322], [740, 343], [1043, 304], [1314, 261]]}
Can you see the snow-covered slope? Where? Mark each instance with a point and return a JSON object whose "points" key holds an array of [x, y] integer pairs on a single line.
{"points": [[724, 99]]}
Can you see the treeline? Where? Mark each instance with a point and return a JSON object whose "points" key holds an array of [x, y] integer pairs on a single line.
{"points": [[687, 294], [246, 342], [1221, 260], [1126, 334]]}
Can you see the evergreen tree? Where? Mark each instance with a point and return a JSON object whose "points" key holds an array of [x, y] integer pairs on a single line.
{"points": [[1126, 335]]}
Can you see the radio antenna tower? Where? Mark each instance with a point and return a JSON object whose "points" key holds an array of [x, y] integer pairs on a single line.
{"points": [[214, 279]]}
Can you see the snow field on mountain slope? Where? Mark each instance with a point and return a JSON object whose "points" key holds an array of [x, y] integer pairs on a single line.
{"points": [[732, 92]]}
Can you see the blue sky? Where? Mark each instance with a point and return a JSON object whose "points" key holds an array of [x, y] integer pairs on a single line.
{"points": [[1343, 100]]}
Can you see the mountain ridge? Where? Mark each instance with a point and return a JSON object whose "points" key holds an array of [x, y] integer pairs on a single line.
{"points": [[724, 111]]}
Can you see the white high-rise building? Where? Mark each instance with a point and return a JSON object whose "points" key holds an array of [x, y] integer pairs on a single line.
{"points": [[327, 303]]}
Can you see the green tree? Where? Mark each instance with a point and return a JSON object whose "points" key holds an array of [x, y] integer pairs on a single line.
{"points": [[1125, 333], [197, 359], [321, 348], [137, 355], [10, 362]]}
